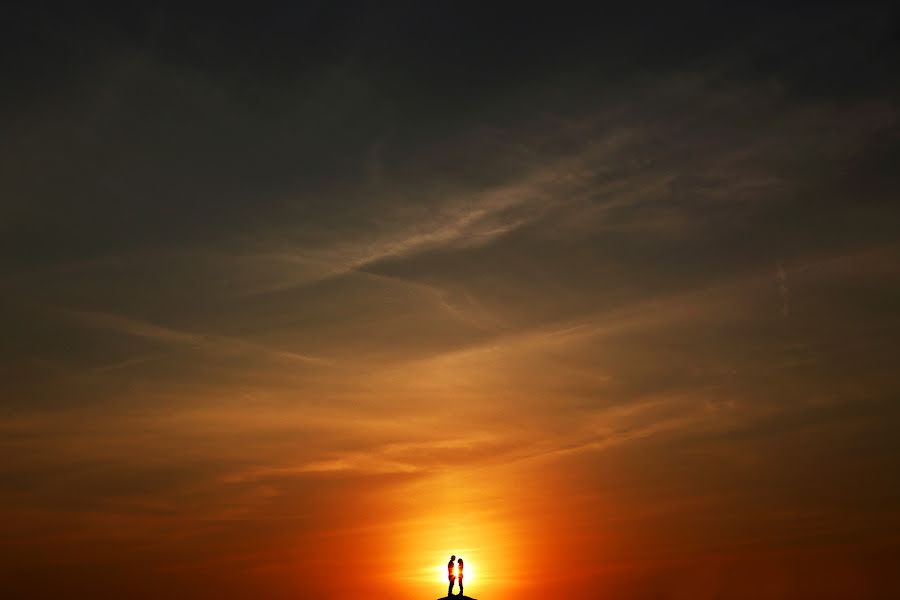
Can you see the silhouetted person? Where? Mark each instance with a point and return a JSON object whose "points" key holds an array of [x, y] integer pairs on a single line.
{"points": [[450, 577], [459, 574]]}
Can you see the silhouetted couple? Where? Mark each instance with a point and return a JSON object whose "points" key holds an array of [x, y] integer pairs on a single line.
{"points": [[451, 577]]}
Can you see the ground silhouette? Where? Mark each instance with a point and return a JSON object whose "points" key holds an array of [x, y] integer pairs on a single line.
{"points": [[456, 597]]}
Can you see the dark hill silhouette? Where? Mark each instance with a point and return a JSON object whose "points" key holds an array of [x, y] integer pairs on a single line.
{"points": [[455, 597]]}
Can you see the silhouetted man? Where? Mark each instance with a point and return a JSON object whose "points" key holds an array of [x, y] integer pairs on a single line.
{"points": [[450, 577], [459, 574]]}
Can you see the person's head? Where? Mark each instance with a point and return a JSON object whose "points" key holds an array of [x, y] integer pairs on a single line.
{"points": [[459, 560], [452, 558]]}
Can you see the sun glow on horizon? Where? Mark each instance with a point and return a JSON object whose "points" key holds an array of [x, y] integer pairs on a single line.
{"points": [[469, 572]]}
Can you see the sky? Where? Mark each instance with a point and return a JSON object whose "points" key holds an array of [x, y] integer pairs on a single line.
{"points": [[298, 299]]}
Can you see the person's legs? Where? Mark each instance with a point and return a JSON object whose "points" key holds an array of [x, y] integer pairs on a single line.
{"points": [[460, 585], [450, 587]]}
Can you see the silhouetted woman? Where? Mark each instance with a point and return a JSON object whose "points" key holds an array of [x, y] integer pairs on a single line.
{"points": [[459, 574]]}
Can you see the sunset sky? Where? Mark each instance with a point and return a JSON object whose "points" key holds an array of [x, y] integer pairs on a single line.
{"points": [[298, 299]]}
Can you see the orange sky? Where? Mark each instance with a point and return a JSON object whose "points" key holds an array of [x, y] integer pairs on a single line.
{"points": [[592, 457], [297, 305]]}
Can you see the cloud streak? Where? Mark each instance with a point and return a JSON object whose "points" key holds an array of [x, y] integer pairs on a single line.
{"points": [[204, 342]]}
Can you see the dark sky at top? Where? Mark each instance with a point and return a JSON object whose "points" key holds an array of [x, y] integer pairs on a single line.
{"points": [[189, 105]]}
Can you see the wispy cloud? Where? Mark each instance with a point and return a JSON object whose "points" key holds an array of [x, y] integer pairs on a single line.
{"points": [[206, 342]]}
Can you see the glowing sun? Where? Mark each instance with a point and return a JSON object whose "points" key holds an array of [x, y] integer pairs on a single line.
{"points": [[469, 571]]}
